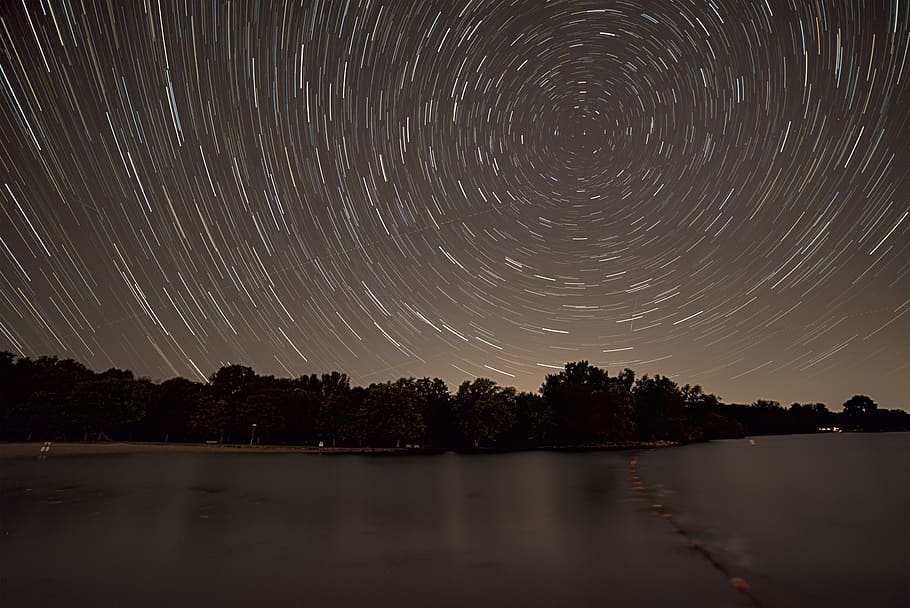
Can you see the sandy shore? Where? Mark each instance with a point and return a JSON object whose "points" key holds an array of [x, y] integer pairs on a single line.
{"points": [[26, 449]]}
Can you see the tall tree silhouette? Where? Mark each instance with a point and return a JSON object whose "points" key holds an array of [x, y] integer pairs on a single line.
{"points": [[588, 404], [438, 413], [394, 411], [484, 410], [660, 409], [859, 412]]}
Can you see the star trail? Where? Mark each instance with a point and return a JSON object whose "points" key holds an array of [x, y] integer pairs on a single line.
{"points": [[716, 191]]}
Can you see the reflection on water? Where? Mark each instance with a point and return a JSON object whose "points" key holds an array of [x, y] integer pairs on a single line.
{"points": [[815, 520], [528, 529], [808, 521]]}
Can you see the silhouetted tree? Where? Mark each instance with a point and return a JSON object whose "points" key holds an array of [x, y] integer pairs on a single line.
{"points": [[394, 411], [333, 391], [704, 420], [209, 419], [231, 387], [232, 382], [588, 405], [301, 413], [808, 418], [438, 413], [109, 404], [627, 378], [859, 413], [7, 397], [170, 409], [39, 393], [355, 425], [890, 420], [484, 410], [51, 398], [660, 409], [265, 408], [534, 421]]}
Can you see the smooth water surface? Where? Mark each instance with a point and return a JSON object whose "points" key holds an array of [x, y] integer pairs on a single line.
{"points": [[817, 520], [524, 529], [807, 521]]}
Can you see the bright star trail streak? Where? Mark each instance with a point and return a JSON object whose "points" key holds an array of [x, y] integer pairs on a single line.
{"points": [[716, 191]]}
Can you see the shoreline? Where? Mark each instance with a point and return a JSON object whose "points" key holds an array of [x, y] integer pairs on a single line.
{"points": [[25, 449], [78, 448]]}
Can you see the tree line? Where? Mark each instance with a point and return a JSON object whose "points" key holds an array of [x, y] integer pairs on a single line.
{"points": [[61, 399]]}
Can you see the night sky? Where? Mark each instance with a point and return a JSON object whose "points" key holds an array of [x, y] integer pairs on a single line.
{"points": [[716, 191]]}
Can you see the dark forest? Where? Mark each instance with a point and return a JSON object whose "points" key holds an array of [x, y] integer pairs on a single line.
{"points": [[582, 406]]}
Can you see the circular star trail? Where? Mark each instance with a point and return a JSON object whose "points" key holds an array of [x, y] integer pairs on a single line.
{"points": [[717, 191]]}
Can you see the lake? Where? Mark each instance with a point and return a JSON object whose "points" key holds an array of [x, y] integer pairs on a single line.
{"points": [[812, 520], [808, 521]]}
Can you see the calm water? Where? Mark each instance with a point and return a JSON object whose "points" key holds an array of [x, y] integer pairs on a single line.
{"points": [[808, 521], [820, 520]]}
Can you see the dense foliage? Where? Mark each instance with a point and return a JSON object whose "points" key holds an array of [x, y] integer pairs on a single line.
{"points": [[61, 399]]}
